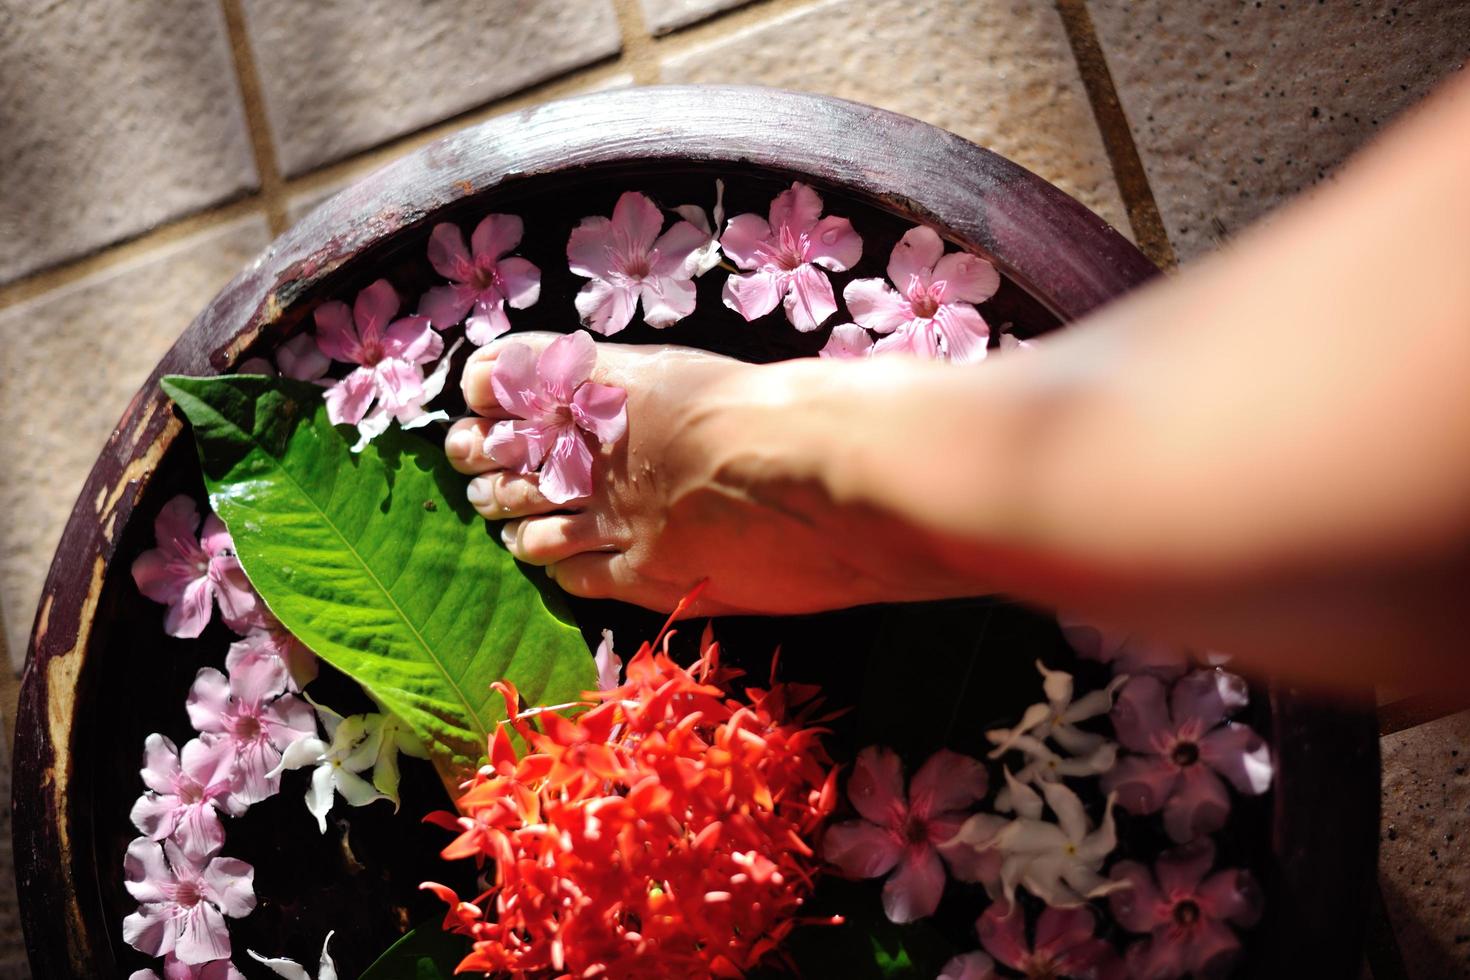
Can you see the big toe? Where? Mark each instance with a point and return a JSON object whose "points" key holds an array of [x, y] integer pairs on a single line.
{"points": [[516, 354]]}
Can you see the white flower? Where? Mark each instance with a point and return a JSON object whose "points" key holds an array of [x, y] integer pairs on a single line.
{"points": [[1057, 718], [354, 746], [707, 256], [1045, 766], [292, 970], [1058, 862], [393, 737]]}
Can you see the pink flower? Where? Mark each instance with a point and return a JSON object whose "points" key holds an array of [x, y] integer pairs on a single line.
{"points": [[558, 412], [609, 664], [1183, 750], [252, 713], [184, 901], [904, 833], [968, 966], [931, 313], [483, 281], [1187, 915], [781, 257], [389, 382], [299, 359], [1126, 653], [275, 642], [1065, 945], [190, 573], [628, 260], [185, 795], [847, 342], [174, 969]]}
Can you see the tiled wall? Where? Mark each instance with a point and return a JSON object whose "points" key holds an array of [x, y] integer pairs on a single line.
{"points": [[149, 147]]}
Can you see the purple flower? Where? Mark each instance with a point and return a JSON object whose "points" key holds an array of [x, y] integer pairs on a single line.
{"points": [[931, 313], [557, 412], [1183, 748], [183, 901], [904, 832], [628, 261], [190, 573], [481, 279], [1126, 653], [252, 713], [186, 793], [1188, 917], [782, 257], [1065, 945]]}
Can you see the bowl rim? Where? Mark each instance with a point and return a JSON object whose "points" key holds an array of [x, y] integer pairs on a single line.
{"points": [[1052, 246]]}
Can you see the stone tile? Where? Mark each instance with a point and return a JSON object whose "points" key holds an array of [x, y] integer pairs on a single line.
{"points": [[339, 76], [662, 16], [1424, 857], [998, 72], [73, 359], [1236, 106], [116, 115]]}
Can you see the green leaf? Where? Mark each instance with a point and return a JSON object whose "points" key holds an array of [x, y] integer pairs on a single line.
{"points": [[377, 562], [424, 953]]}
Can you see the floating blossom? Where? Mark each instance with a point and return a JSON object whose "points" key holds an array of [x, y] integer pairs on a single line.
{"points": [[251, 712], [175, 969], [1057, 862], [299, 359], [1183, 748], [931, 313], [353, 749], [1044, 765], [482, 280], [183, 901], [1126, 653], [968, 966], [662, 831], [609, 664], [291, 970], [190, 573], [628, 261], [186, 791], [782, 257], [1057, 718], [558, 414], [904, 833], [389, 382], [848, 342], [1187, 916], [1065, 945], [707, 256], [393, 738], [275, 642]]}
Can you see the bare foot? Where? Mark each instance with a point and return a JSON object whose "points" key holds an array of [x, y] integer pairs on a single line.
{"points": [[716, 479]]}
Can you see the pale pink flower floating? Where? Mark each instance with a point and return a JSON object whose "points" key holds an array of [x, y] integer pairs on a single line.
{"points": [[190, 573], [275, 642], [482, 279], [299, 359], [1188, 917], [183, 901], [1125, 653], [251, 712], [931, 313], [175, 969], [904, 833], [186, 792], [968, 966], [558, 413], [628, 261], [1183, 749], [784, 258], [1065, 945], [389, 382]]}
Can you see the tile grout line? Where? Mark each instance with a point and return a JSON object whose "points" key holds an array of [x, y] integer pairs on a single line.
{"points": [[637, 54], [272, 192], [1117, 135]]}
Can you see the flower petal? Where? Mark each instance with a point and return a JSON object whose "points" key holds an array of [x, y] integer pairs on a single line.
{"points": [[301, 359], [590, 248], [1068, 808], [230, 884], [147, 873], [565, 363], [637, 220], [1236, 752], [876, 305], [797, 208], [1140, 717], [967, 278], [847, 342], [809, 300], [319, 795], [913, 891], [1058, 930], [258, 679], [189, 613], [1142, 782], [1139, 907], [964, 331], [354, 789], [915, 255], [1207, 696], [208, 700], [605, 308], [447, 253], [203, 935], [1212, 951], [946, 781], [522, 281], [509, 446], [676, 253], [150, 930], [1234, 895], [754, 294], [335, 334], [601, 410], [861, 849], [741, 239], [834, 245], [876, 787], [666, 301], [1002, 930], [413, 339], [1200, 804], [160, 763], [348, 399], [567, 472], [514, 381], [916, 338], [968, 966], [496, 235], [1181, 869]]}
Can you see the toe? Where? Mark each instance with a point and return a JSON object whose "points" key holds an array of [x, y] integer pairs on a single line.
{"points": [[555, 537], [503, 494], [478, 380], [592, 574], [465, 446]]}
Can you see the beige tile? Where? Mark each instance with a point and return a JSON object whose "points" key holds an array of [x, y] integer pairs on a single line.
{"points": [[73, 359], [996, 72], [1237, 106], [662, 16], [114, 115], [1424, 857], [342, 75]]}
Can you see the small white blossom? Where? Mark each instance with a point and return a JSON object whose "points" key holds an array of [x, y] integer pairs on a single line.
{"points": [[354, 747], [291, 970], [1057, 717]]}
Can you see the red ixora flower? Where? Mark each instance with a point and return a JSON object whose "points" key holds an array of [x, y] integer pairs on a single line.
{"points": [[664, 830]]}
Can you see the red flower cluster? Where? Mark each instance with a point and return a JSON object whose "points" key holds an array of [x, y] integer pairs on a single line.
{"points": [[662, 832]]}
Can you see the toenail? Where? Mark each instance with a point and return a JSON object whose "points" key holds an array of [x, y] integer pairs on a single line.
{"points": [[479, 492], [508, 534], [460, 444]]}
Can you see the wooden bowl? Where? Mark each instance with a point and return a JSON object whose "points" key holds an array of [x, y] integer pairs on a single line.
{"points": [[78, 742]]}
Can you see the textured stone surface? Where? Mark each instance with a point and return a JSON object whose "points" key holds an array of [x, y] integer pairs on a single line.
{"points": [[342, 75], [1424, 857], [662, 16], [73, 359], [114, 116], [1236, 106], [996, 72]]}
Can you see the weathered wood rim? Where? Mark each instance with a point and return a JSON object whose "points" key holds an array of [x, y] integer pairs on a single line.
{"points": [[1047, 243]]}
